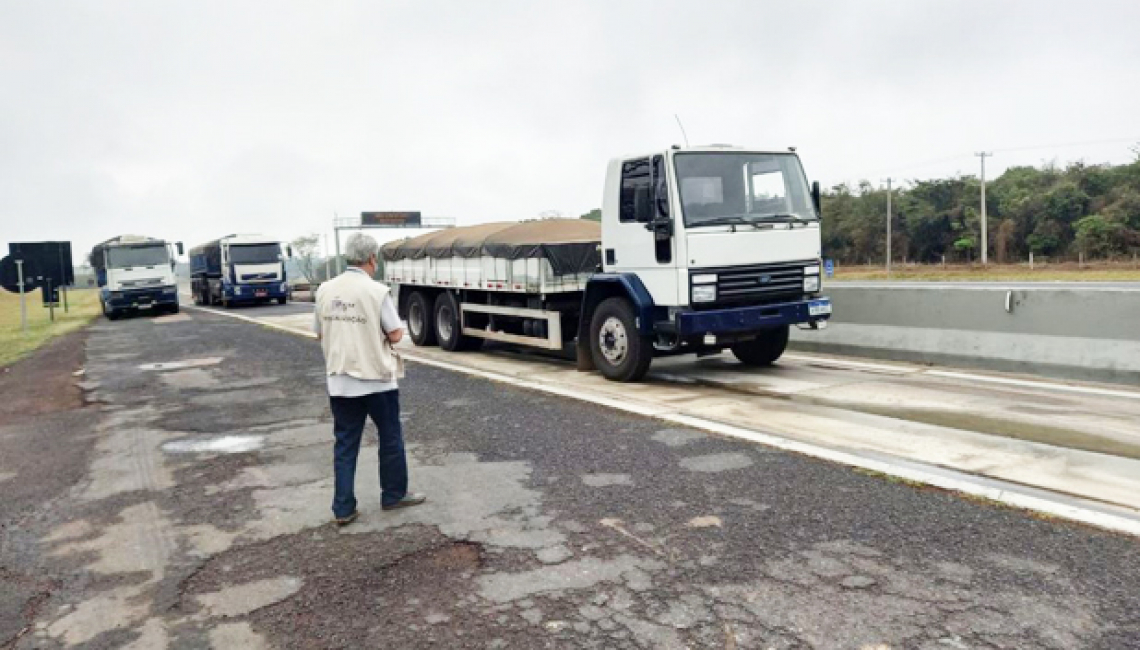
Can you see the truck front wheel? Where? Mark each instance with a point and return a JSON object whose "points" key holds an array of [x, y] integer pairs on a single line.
{"points": [[449, 328], [619, 350], [763, 350], [421, 323]]}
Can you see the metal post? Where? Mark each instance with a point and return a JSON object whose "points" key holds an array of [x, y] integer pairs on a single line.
{"points": [[888, 227], [23, 296], [985, 230], [63, 290], [51, 301], [328, 273], [336, 237]]}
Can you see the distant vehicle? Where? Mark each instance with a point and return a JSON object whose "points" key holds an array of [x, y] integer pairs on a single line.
{"points": [[699, 250], [239, 269], [135, 273]]}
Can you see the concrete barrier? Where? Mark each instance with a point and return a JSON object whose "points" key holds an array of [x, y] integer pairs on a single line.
{"points": [[1088, 332]]}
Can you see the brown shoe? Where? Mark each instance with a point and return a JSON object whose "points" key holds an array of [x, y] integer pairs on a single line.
{"points": [[344, 521], [410, 499]]}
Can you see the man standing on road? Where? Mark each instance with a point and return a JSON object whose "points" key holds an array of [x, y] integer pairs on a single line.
{"points": [[357, 324]]}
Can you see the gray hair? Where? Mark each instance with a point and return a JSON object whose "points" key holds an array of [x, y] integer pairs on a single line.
{"points": [[359, 248]]}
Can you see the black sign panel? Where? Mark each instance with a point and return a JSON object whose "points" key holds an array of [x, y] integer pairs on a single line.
{"points": [[401, 219], [43, 261]]}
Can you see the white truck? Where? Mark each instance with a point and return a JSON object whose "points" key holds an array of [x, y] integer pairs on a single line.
{"points": [[135, 273], [699, 250], [239, 269]]}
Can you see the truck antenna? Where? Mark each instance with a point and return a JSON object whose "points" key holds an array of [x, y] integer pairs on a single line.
{"points": [[683, 134]]}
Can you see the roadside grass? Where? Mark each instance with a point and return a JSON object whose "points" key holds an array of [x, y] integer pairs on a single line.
{"points": [[1055, 272], [83, 306]]}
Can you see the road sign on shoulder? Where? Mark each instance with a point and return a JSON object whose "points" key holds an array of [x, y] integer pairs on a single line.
{"points": [[829, 268]]}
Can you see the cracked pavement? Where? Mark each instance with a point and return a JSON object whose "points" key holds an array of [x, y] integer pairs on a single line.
{"points": [[196, 514]]}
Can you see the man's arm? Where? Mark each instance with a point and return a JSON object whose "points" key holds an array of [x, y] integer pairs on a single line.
{"points": [[390, 321]]}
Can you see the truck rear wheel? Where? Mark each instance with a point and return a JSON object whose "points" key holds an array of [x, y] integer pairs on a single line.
{"points": [[421, 321], [619, 350], [448, 327], [763, 350]]}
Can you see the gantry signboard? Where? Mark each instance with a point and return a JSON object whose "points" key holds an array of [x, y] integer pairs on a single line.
{"points": [[392, 219]]}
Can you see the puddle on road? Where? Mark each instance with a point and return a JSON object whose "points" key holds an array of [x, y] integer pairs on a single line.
{"points": [[218, 445]]}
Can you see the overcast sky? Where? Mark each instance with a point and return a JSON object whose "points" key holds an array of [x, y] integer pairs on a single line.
{"points": [[191, 120]]}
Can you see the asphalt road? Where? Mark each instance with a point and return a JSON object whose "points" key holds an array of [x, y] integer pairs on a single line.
{"points": [[202, 521]]}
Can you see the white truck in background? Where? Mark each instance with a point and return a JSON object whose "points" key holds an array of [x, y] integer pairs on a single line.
{"points": [[239, 269], [135, 273], [699, 250]]}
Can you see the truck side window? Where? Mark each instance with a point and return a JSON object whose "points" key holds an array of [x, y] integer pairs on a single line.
{"points": [[636, 192]]}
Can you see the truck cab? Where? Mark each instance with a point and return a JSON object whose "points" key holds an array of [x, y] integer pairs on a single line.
{"points": [[136, 273], [713, 247], [239, 269]]}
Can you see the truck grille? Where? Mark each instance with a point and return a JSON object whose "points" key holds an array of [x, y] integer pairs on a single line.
{"points": [[757, 285]]}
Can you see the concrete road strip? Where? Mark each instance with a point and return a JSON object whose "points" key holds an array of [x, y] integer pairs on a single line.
{"points": [[1060, 482]]}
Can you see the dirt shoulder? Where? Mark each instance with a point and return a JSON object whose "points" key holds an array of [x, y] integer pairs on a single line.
{"points": [[46, 439]]}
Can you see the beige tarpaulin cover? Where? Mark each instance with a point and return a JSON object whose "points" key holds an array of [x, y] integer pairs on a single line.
{"points": [[571, 245]]}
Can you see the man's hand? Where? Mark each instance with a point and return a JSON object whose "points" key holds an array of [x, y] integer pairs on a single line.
{"points": [[395, 336]]}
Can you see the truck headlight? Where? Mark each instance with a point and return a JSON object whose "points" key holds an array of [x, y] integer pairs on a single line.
{"points": [[170, 289], [811, 283], [237, 291], [811, 270], [704, 293], [705, 278]]}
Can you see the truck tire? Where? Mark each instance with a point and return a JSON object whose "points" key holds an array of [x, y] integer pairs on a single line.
{"points": [[282, 300], [174, 309], [763, 350], [448, 328], [619, 350], [421, 321], [110, 313]]}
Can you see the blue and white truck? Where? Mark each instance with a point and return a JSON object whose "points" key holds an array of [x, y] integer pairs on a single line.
{"points": [[239, 269], [699, 250], [135, 273]]}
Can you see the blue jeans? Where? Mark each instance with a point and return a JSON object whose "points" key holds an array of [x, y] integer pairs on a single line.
{"points": [[349, 414]]}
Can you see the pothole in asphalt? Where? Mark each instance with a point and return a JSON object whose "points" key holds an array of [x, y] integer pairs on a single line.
{"points": [[215, 445]]}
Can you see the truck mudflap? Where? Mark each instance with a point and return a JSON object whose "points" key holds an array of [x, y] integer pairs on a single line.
{"points": [[750, 319]]}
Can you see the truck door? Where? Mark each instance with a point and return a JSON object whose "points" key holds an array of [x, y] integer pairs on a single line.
{"points": [[637, 230]]}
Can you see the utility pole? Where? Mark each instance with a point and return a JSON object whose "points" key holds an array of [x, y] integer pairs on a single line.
{"points": [[889, 227], [985, 229]]}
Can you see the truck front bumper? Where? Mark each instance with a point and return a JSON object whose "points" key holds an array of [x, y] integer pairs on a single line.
{"points": [[740, 320], [251, 292], [141, 298]]}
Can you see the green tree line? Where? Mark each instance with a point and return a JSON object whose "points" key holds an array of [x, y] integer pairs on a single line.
{"points": [[1049, 211]]}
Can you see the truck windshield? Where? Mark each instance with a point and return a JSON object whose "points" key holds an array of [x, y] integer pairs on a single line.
{"points": [[120, 257], [742, 188], [255, 254]]}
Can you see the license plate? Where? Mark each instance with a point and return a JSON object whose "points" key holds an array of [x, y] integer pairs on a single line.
{"points": [[819, 308], [261, 293], [144, 305]]}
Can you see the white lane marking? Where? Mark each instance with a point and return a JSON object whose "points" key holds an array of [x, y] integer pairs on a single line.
{"points": [[964, 376], [992, 489], [1029, 383]]}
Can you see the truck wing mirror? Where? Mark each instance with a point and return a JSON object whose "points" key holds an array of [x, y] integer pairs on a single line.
{"points": [[289, 250], [815, 200], [181, 251]]}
